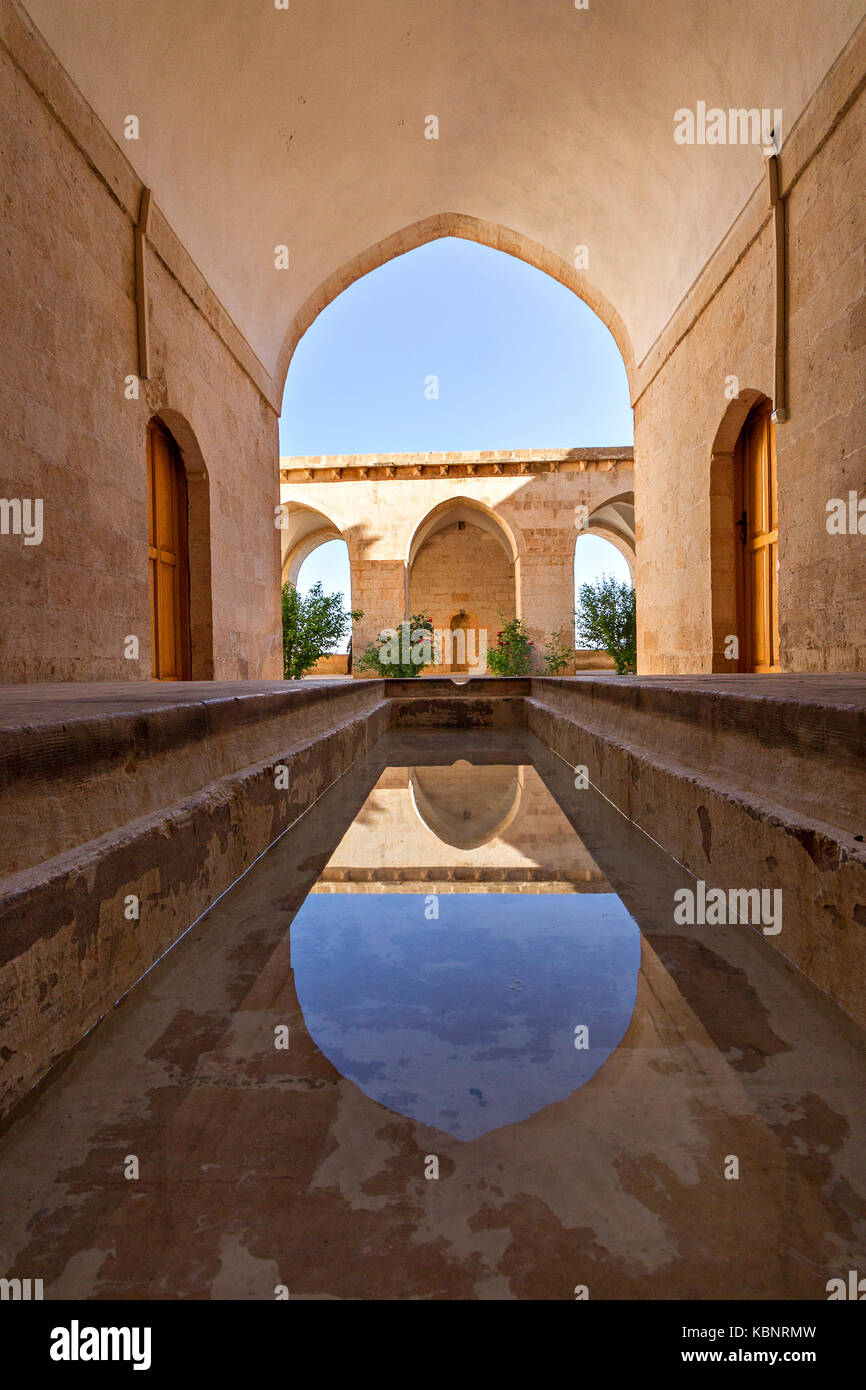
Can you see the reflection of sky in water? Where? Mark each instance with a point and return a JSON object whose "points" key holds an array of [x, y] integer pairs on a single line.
{"points": [[466, 1023]]}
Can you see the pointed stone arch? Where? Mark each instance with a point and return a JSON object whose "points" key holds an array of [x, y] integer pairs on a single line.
{"points": [[464, 587], [613, 520], [456, 224], [468, 510], [302, 530]]}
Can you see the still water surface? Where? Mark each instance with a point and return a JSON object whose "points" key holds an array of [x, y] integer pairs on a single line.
{"points": [[402, 978]]}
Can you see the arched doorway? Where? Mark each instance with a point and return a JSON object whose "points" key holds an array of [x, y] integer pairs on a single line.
{"points": [[604, 550], [465, 553], [744, 538], [303, 530], [758, 527], [168, 556]]}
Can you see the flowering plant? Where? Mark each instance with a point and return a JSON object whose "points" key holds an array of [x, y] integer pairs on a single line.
{"points": [[513, 653]]}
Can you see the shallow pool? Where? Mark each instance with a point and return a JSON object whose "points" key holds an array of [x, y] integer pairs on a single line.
{"points": [[446, 1040]]}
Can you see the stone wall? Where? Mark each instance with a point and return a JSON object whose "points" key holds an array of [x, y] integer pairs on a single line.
{"points": [[71, 436], [463, 570], [685, 428], [73, 433], [331, 664], [743, 792]]}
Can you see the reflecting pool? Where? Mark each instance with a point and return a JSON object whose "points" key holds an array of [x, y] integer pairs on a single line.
{"points": [[446, 1040], [475, 1018]]}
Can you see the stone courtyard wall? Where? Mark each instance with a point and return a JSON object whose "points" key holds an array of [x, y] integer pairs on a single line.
{"points": [[539, 514], [70, 435], [463, 570], [725, 328]]}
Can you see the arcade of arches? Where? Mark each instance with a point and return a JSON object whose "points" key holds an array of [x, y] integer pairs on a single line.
{"points": [[470, 539], [172, 222]]}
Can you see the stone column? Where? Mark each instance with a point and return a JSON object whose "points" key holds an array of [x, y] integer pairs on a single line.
{"points": [[547, 582], [379, 590]]}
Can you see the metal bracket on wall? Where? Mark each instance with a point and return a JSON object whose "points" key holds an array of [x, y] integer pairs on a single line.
{"points": [[780, 375], [142, 228]]}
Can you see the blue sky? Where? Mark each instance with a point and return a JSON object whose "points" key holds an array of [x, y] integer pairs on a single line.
{"points": [[521, 362]]}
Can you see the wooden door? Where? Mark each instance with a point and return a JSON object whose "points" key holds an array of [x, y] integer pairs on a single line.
{"points": [[759, 539], [167, 551], [459, 654]]}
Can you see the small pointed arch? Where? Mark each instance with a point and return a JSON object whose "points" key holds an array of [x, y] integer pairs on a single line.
{"points": [[465, 509], [504, 573], [734, 418], [455, 224]]}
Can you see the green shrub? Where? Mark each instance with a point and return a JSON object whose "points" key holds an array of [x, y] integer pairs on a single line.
{"points": [[606, 620], [556, 655], [312, 626]]}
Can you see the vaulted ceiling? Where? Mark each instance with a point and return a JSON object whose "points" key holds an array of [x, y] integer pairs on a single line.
{"points": [[305, 127]]}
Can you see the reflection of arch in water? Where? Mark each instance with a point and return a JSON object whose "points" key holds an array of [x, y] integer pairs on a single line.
{"points": [[466, 806]]}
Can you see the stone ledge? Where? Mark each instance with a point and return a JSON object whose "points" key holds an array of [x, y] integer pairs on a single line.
{"points": [[443, 702], [620, 452], [796, 742], [68, 952], [733, 838], [76, 762], [484, 463]]}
